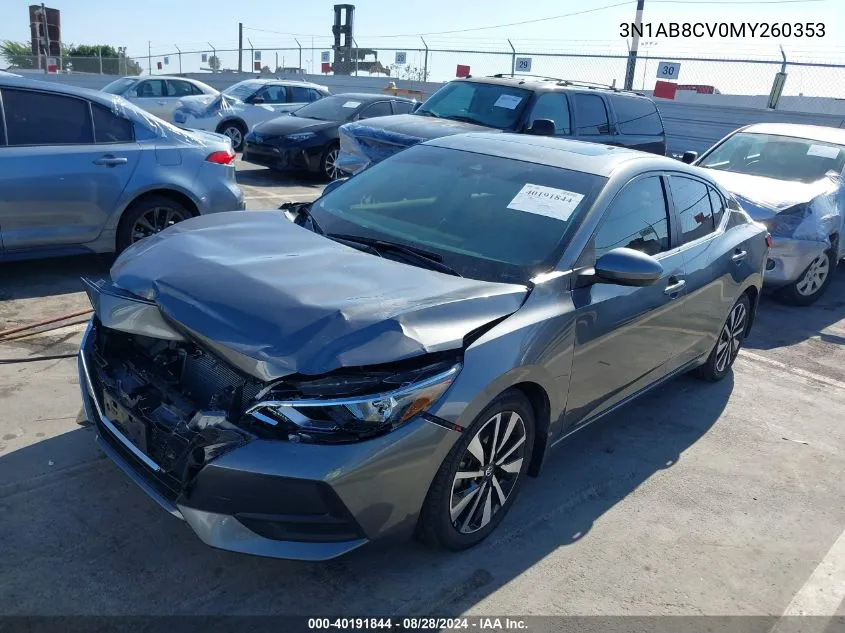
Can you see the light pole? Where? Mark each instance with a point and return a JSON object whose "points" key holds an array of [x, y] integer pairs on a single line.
{"points": [[647, 45]]}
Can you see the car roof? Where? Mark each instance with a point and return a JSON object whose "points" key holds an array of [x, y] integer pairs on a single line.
{"points": [[103, 98], [283, 82], [529, 82], [371, 96], [591, 158], [796, 130]]}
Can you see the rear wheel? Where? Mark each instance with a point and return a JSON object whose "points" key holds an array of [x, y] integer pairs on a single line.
{"points": [[480, 478], [728, 344], [812, 284], [147, 217], [236, 131], [328, 164]]}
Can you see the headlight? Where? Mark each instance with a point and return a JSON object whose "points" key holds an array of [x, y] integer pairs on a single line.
{"points": [[358, 415], [300, 136]]}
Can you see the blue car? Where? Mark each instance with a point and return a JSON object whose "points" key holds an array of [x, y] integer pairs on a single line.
{"points": [[88, 172]]}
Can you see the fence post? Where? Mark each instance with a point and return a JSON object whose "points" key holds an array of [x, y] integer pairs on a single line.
{"points": [[100, 56], [180, 58], [300, 52], [425, 60], [513, 58], [777, 84]]}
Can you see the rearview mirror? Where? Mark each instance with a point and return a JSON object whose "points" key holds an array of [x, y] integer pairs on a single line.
{"points": [[627, 267], [689, 157], [542, 127]]}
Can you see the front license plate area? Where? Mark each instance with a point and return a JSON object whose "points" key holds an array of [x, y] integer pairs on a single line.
{"points": [[134, 429]]}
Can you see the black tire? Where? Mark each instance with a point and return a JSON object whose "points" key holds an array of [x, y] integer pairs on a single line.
{"points": [[328, 170], [732, 334], [157, 212], [436, 525], [810, 287], [236, 131]]}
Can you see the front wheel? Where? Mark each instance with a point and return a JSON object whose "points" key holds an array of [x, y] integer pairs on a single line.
{"points": [[236, 132], [728, 344], [480, 478], [813, 282], [328, 164]]}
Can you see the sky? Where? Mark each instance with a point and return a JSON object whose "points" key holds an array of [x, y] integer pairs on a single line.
{"points": [[200, 25]]}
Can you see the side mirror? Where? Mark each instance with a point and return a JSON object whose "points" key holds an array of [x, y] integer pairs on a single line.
{"points": [[257, 100], [334, 184], [542, 127], [416, 106], [689, 157], [627, 267]]}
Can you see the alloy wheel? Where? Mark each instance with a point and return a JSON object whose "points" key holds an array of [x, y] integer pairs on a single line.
{"points": [[331, 170], [815, 276], [235, 135], [730, 338], [153, 221], [488, 471]]}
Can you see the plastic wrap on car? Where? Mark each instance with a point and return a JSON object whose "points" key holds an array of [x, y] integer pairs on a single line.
{"points": [[123, 108], [362, 145], [798, 211]]}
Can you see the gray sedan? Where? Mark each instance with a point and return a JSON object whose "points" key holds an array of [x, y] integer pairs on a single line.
{"points": [[398, 355], [84, 171]]}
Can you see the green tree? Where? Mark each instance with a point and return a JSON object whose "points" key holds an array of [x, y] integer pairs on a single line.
{"points": [[17, 54], [84, 58], [412, 73], [214, 63]]}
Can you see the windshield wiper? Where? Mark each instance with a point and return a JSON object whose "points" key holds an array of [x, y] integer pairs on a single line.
{"points": [[432, 260], [466, 119], [427, 113], [303, 209]]}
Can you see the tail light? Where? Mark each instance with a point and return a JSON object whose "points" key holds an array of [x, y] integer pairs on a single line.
{"points": [[769, 241], [226, 157]]}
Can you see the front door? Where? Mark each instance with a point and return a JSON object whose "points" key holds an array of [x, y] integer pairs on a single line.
{"points": [[626, 336], [59, 185]]}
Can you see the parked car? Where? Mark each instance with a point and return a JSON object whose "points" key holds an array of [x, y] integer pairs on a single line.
{"points": [[533, 105], [158, 95], [398, 355], [790, 178], [307, 140], [84, 171], [242, 105]]}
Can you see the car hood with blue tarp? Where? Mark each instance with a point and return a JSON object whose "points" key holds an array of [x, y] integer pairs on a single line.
{"points": [[371, 141], [275, 299]]}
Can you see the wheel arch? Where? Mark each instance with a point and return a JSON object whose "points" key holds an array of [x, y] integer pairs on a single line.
{"points": [[174, 194], [232, 119], [753, 293], [540, 403]]}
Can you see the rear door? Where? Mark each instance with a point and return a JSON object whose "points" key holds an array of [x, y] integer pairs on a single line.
{"points": [[59, 185], [637, 124], [718, 258], [376, 109], [176, 90], [626, 337], [151, 95], [592, 119]]}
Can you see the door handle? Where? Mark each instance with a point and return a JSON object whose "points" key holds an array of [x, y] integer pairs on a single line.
{"points": [[111, 161], [675, 287], [738, 255], [162, 102]]}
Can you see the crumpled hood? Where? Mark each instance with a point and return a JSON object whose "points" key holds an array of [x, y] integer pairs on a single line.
{"points": [[286, 300], [763, 197], [289, 124]]}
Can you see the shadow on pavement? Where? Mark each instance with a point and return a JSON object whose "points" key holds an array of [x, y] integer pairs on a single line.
{"points": [[49, 277], [87, 540], [266, 177]]}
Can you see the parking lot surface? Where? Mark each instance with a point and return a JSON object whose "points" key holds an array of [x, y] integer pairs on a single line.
{"points": [[717, 499]]}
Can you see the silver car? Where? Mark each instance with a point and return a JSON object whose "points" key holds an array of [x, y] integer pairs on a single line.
{"points": [[159, 95], [84, 171], [789, 177]]}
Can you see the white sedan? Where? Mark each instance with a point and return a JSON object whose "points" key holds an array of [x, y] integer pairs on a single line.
{"points": [[243, 105], [159, 95]]}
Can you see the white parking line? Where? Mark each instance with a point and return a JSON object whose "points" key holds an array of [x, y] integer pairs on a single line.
{"points": [[797, 371]]}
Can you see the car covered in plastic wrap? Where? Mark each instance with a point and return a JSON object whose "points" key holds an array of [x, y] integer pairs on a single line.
{"points": [[236, 110], [84, 171], [790, 178]]}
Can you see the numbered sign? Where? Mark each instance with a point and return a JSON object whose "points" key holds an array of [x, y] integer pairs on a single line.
{"points": [[523, 65], [258, 56], [401, 58], [325, 57], [668, 70]]}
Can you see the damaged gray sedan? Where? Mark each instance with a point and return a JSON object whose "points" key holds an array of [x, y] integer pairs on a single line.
{"points": [[790, 178], [399, 355]]}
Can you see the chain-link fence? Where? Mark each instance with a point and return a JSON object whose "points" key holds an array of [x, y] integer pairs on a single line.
{"points": [[750, 76]]}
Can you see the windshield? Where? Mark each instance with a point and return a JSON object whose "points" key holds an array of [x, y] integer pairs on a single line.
{"points": [[336, 108], [498, 219], [119, 86], [242, 89], [779, 157], [485, 104]]}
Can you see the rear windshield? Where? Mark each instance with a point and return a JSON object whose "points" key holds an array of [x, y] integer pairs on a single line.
{"points": [[778, 157], [498, 220], [336, 108], [119, 86], [485, 104]]}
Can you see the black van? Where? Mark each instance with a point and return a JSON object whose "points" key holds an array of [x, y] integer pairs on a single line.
{"points": [[532, 105]]}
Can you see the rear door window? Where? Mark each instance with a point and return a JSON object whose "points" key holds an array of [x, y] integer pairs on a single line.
{"points": [[402, 107], [273, 94], [151, 89], [590, 115], [555, 107], [176, 88], [110, 128], [43, 118], [718, 206], [380, 108], [636, 116]]}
